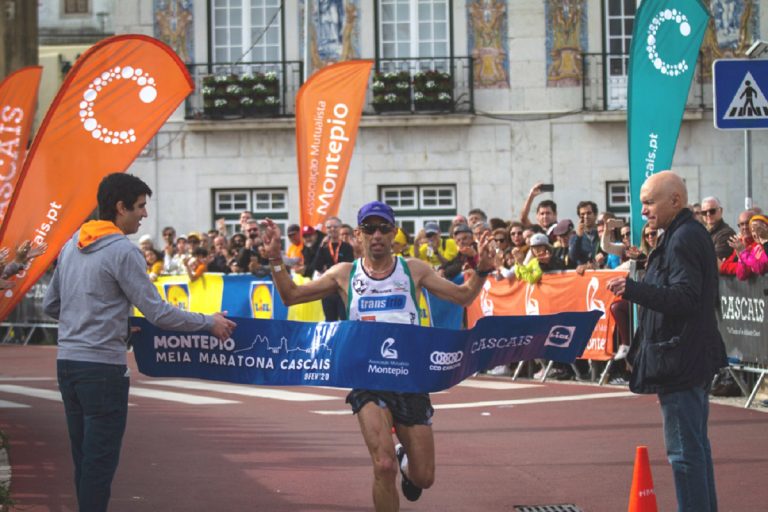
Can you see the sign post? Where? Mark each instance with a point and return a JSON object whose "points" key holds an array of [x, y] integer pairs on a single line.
{"points": [[740, 87]]}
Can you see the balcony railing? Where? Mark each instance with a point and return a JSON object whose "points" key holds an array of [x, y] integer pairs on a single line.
{"points": [[605, 84], [220, 89], [424, 86]]}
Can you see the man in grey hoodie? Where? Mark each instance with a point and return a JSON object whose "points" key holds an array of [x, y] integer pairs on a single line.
{"points": [[99, 277]]}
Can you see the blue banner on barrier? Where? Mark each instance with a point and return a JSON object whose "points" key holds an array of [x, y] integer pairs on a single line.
{"points": [[371, 355]]}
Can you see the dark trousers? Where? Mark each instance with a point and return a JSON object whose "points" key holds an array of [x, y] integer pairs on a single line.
{"points": [[95, 399], [333, 308]]}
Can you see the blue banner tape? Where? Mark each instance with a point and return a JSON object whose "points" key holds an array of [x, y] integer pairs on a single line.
{"points": [[370, 355]]}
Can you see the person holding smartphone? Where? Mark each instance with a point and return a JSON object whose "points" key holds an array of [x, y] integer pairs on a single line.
{"points": [[546, 210]]}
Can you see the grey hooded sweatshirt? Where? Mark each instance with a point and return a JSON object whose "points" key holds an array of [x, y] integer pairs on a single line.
{"points": [[91, 295]]}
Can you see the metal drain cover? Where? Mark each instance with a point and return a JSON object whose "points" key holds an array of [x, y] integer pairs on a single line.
{"points": [[548, 508]]}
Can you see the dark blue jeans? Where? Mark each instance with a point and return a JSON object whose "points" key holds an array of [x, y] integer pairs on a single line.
{"points": [[95, 399], [685, 434]]}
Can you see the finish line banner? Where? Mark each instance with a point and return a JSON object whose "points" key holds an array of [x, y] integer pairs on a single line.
{"points": [[370, 355]]}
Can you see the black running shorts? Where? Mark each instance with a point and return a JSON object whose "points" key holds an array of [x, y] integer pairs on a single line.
{"points": [[407, 409]]}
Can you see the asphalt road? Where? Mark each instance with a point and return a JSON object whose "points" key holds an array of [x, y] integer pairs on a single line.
{"points": [[205, 446]]}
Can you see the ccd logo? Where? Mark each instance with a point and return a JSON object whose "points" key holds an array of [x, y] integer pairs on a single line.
{"points": [[560, 336], [446, 357], [387, 352]]}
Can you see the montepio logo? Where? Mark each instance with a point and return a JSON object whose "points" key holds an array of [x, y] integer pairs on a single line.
{"points": [[560, 336], [387, 352], [177, 295]]}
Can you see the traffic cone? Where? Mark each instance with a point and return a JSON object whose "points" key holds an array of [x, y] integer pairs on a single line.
{"points": [[642, 497]]}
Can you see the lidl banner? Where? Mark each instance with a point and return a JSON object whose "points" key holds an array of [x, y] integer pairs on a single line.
{"points": [[556, 292], [665, 45], [113, 101], [371, 355], [18, 99], [244, 295], [328, 109]]}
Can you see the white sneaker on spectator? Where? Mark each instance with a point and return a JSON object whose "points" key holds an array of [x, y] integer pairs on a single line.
{"points": [[499, 371], [621, 353], [540, 374]]}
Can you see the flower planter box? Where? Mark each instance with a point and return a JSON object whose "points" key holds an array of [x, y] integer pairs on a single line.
{"points": [[382, 108], [433, 106], [262, 111]]}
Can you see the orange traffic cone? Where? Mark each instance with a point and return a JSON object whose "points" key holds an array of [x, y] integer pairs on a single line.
{"points": [[642, 497]]}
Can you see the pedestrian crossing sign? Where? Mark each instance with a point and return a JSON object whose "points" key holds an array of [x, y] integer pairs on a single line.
{"points": [[740, 87]]}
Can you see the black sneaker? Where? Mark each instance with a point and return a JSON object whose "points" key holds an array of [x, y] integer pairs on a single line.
{"points": [[410, 490]]}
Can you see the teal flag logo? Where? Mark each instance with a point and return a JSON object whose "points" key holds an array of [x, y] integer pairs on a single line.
{"points": [[665, 45]]}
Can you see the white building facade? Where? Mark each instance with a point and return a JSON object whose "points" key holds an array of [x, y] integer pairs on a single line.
{"points": [[538, 94]]}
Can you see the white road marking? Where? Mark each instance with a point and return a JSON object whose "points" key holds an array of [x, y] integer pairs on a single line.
{"points": [[25, 379], [494, 384], [235, 389], [183, 398], [542, 400], [45, 394], [499, 403], [4, 404]]}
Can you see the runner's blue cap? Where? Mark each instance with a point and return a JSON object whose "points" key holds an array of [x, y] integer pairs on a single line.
{"points": [[377, 209]]}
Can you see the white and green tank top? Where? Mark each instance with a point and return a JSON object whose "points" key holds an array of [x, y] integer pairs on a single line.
{"points": [[390, 299]]}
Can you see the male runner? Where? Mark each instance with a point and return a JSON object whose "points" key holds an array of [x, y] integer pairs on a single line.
{"points": [[380, 272]]}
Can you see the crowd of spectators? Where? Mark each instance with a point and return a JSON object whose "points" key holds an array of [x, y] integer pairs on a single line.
{"points": [[525, 250]]}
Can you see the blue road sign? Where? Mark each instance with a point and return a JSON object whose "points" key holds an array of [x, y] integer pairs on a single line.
{"points": [[740, 86]]}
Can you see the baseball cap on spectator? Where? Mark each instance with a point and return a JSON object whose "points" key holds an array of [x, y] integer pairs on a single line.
{"points": [[431, 228], [376, 209], [562, 227], [461, 228], [293, 229], [307, 230], [145, 238], [538, 239], [193, 234]]}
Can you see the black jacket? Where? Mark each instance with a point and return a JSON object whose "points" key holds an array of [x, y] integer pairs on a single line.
{"points": [[677, 345]]}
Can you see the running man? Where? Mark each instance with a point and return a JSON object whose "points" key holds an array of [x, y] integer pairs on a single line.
{"points": [[374, 274]]}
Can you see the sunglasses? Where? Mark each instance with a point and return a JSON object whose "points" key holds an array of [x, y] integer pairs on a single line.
{"points": [[253, 230], [499, 240], [516, 233], [743, 224], [651, 233], [383, 228], [709, 212], [625, 235]]}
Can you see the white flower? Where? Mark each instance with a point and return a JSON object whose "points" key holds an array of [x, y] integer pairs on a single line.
{"points": [[208, 91], [219, 102], [430, 84], [246, 101], [259, 87], [234, 89], [272, 100], [403, 85], [444, 96], [418, 96]]}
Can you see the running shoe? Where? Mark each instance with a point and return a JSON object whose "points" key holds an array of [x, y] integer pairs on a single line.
{"points": [[410, 490]]}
